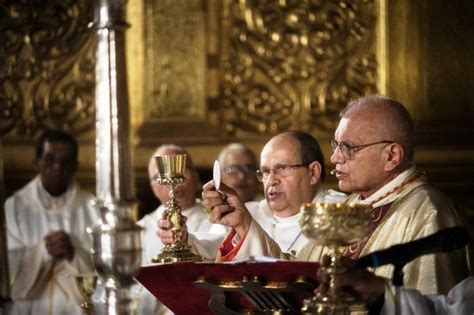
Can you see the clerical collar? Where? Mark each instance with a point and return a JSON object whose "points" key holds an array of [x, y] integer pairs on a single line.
{"points": [[290, 219], [384, 194], [52, 202]]}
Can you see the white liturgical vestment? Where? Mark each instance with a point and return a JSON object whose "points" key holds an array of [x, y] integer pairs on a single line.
{"points": [[284, 232], [41, 285], [459, 301], [415, 210]]}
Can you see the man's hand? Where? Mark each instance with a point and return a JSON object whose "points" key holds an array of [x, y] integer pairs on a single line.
{"points": [[59, 245], [165, 233], [362, 282], [225, 207]]}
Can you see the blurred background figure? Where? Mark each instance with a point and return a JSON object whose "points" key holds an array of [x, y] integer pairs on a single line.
{"points": [[197, 221], [46, 231], [239, 165]]}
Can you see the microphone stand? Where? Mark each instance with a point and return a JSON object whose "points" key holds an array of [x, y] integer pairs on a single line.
{"points": [[397, 281]]}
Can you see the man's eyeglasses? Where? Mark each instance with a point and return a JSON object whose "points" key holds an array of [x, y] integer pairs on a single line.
{"points": [[279, 170], [349, 150], [235, 169]]}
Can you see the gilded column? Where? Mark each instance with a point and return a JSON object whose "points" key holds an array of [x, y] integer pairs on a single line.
{"points": [[116, 238]]}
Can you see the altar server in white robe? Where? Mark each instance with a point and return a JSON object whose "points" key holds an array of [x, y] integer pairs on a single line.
{"points": [[196, 218], [46, 231], [292, 171]]}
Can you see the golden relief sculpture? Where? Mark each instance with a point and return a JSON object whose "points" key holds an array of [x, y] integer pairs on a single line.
{"points": [[47, 67], [175, 59], [294, 64]]}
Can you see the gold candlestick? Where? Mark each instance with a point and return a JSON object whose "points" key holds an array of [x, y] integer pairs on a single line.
{"points": [[335, 225], [171, 173]]}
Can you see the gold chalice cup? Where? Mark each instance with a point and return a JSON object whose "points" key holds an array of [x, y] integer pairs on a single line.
{"points": [[171, 170], [86, 284], [335, 225]]}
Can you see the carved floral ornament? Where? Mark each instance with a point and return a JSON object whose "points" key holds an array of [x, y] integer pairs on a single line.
{"points": [[46, 66], [295, 63], [284, 64]]}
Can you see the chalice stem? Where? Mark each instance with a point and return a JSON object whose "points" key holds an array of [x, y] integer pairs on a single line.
{"points": [[87, 308]]}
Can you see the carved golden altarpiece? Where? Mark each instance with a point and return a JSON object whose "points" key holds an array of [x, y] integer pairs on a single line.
{"points": [[278, 65], [206, 72]]}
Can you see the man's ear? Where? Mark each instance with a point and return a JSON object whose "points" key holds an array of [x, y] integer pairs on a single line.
{"points": [[315, 169], [395, 154]]}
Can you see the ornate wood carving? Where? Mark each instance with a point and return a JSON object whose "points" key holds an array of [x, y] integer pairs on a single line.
{"points": [[46, 66], [294, 64]]}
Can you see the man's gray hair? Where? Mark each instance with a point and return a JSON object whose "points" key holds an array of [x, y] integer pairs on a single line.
{"points": [[239, 147], [398, 123]]}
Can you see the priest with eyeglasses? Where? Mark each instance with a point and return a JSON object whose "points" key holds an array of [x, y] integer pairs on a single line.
{"points": [[374, 147]]}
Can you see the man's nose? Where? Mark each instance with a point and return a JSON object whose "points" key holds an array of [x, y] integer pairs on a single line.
{"points": [[272, 178], [241, 175], [337, 157]]}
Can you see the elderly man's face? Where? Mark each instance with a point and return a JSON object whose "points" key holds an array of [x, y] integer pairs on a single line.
{"points": [[238, 172], [56, 167], [285, 194], [364, 173]]}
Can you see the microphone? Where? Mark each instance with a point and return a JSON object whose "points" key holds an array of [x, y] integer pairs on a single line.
{"points": [[443, 241], [332, 172]]}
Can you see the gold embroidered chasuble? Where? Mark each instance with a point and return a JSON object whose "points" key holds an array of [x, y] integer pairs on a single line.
{"points": [[417, 210]]}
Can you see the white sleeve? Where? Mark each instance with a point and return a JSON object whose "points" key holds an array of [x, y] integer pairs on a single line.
{"points": [[459, 301], [205, 244], [258, 243], [27, 262]]}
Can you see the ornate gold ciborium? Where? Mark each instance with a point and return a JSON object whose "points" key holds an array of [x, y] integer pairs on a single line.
{"points": [[335, 225], [86, 284], [171, 173]]}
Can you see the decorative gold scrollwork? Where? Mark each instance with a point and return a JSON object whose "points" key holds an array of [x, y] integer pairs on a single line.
{"points": [[47, 66], [295, 64]]}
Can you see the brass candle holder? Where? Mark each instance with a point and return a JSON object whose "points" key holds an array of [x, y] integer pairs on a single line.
{"points": [[335, 225], [86, 284], [171, 173]]}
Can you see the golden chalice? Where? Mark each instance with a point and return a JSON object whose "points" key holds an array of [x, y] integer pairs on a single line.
{"points": [[335, 225], [86, 284], [171, 173]]}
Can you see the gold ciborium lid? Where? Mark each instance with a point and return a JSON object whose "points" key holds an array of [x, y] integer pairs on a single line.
{"points": [[171, 166]]}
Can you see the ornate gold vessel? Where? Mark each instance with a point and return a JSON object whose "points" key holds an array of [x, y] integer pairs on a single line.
{"points": [[171, 173], [334, 225], [86, 284]]}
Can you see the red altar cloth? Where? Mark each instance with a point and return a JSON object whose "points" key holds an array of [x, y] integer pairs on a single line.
{"points": [[173, 284]]}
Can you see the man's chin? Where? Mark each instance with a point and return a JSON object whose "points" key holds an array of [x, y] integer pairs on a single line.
{"points": [[344, 187], [275, 205]]}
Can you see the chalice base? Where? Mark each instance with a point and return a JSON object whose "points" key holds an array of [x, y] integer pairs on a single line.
{"points": [[332, 304], [176, 253], [87, 308]]}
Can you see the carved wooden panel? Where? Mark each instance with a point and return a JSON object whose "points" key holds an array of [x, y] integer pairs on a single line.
{"points": [[175, 59], [46, 66], [280, 65], [294, 64]]}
